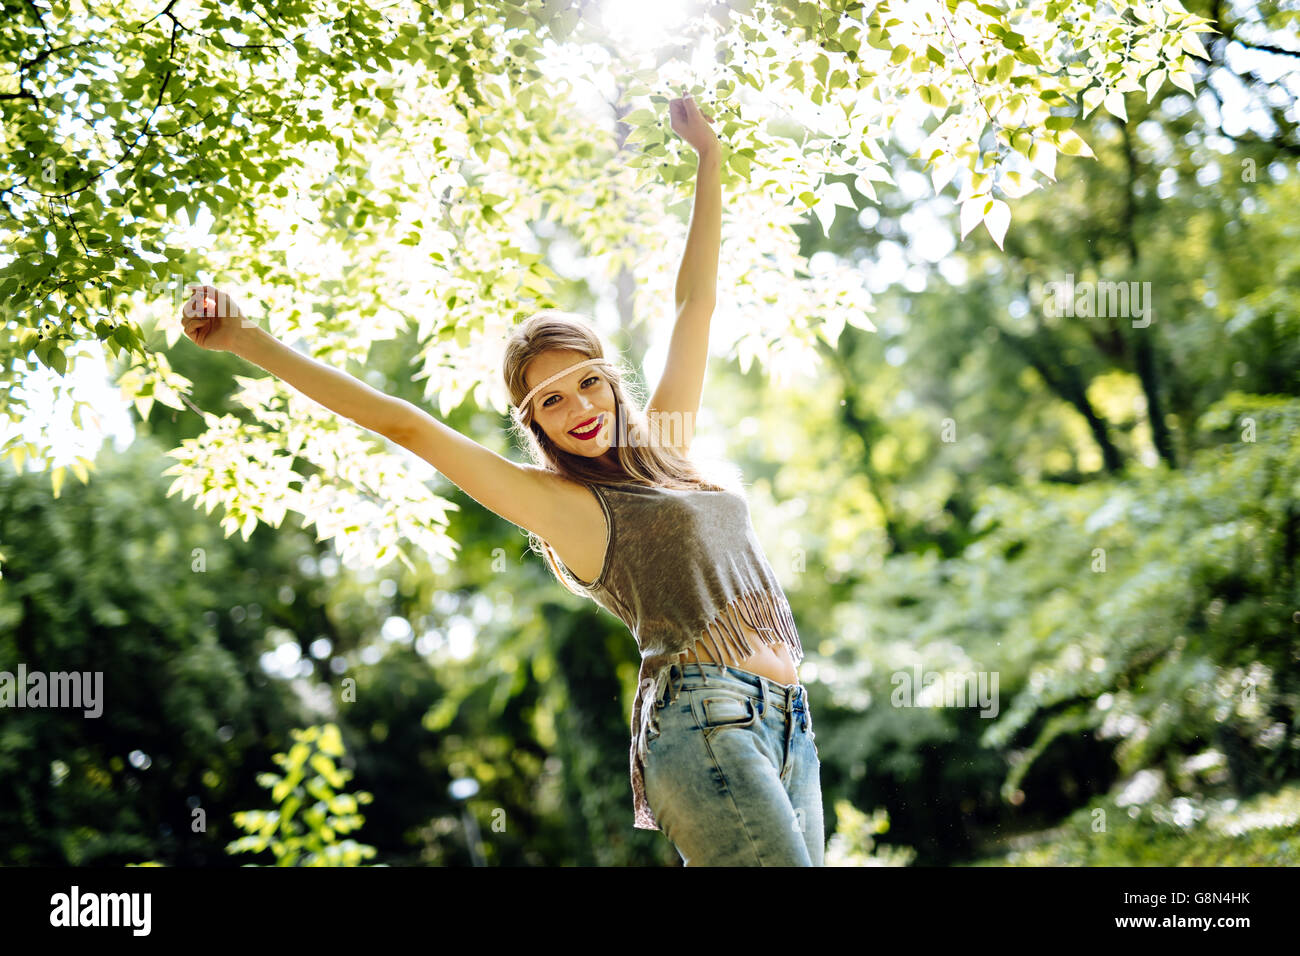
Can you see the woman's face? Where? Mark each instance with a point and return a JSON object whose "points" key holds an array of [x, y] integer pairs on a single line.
{"points": [[583, 399]]}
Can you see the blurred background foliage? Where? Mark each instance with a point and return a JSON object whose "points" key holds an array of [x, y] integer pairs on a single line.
{"points": [[1107, 517]]}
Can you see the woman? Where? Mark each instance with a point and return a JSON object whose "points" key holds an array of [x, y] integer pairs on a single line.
{"points": [[722, 757]]}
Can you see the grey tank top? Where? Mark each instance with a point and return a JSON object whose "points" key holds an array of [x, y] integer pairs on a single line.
{"points": [[682, 565]]}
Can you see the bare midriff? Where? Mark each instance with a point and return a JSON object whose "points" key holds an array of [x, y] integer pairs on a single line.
{"points": [[772, 661]]}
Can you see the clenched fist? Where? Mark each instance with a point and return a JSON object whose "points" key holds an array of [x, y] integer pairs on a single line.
{"points": [[213, 320]]}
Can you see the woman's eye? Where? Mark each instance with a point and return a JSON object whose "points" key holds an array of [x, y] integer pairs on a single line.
{"points": [[548, 403]]}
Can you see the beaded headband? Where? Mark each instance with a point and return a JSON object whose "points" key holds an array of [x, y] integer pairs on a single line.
{"points": [[518, 411]]}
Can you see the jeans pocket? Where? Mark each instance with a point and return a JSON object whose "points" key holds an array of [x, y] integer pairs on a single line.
{"points": [[715, 710]]}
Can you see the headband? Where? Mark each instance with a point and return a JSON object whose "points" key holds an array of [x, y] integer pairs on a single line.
{"points": [[523, 406]]}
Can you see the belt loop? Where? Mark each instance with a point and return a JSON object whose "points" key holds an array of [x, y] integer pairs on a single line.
{"points": [[673, 681], [651, 689]]}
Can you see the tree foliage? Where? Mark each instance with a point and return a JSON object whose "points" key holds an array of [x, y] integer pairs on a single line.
{"points": [[431, 136]]}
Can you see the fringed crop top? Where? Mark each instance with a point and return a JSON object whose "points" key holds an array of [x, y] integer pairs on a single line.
{"points": [[682, 565]]}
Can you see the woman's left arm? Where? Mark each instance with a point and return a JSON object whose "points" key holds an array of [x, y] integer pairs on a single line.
{"points": [[682, 383]]}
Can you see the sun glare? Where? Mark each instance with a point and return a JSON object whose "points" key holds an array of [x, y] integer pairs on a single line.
{"points": [[642, 25]]}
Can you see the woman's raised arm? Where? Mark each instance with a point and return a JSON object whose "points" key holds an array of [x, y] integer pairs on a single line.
{"points": [[682, 383], [526, 496]]}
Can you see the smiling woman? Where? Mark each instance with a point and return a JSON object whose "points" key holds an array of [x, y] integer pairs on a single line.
{"points": [[642, 532], [572, 410], [673, 554]]}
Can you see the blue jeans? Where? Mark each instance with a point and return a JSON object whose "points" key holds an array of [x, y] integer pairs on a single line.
{"points": [[731, 769]]}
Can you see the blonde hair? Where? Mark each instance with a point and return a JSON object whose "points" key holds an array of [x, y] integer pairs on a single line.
{"points": [[653, 463]]}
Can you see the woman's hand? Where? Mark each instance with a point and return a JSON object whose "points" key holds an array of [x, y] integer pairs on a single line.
{"points": [[691, 125], [213, 320]]}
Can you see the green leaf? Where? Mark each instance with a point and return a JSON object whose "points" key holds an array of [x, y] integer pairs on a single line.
{"points": [[1183, 80], [1092, 99], [942, 174], [821, 65], [972, 211], [1192, 44], [1114, 103], [1070, 143], [794, 70], [1153, 82], [562, 25], [825, 212], [838, 193], [996, 219], [1043, 155]]}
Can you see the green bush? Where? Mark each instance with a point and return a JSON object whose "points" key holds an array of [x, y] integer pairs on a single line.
{"points": [[1140, 623], [1184, 831], [309, 837], [853, 842]]}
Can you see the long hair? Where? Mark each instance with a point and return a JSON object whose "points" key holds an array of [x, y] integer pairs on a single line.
{"points": [[649, 461]]}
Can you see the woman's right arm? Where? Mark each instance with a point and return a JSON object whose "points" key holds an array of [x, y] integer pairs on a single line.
{"points": [[336, 390], [524, 495]]}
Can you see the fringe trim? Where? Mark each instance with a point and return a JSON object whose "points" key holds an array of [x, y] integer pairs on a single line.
{"points": [[766, 611]]}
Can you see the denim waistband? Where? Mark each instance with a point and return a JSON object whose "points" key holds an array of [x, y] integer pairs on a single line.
{"points": [[656, 693], [692, 676]]}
